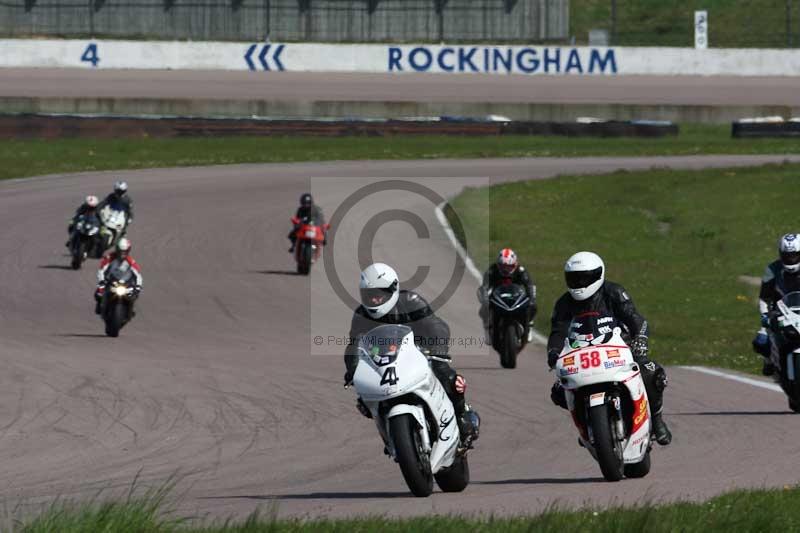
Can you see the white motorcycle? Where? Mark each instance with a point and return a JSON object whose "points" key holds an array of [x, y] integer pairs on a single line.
{"points": [[114, 223], [411, 409], [784, 336], [608, 402]]}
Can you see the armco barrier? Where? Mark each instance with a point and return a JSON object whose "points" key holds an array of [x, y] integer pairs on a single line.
{"points": [[765, 129], [25, 126], [485, 59]]}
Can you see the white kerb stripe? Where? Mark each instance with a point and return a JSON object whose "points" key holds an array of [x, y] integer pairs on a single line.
{"points": [[735, 377]]}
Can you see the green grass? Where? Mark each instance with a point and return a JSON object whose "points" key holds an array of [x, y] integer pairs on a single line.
{"points": [[741, 511], [731, 23], [677, 240], [36, 157]]}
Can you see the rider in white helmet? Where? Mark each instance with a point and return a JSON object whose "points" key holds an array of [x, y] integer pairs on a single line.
{"points": [[119, 199], [780, 278], [110, 261], [589, 294], [382, 302], [88, 207]]}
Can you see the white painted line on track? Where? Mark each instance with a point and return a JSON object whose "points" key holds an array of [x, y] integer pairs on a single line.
{"points": [[462, 253], [734, 377]]}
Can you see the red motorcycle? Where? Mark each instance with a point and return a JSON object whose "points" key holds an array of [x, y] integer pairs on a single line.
{"points": [[308, 244]]}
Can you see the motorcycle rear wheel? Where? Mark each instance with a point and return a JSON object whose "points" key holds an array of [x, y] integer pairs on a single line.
{"points": [[414, 465], [606, 444], [454, 478]]}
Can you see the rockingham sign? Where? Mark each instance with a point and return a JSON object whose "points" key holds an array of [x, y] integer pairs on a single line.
{"points": [[398, 59], [503, 60]]}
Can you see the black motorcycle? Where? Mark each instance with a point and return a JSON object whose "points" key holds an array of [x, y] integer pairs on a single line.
{"points": [[85, 240], [508, 313], [784, 334], [118, 298]]}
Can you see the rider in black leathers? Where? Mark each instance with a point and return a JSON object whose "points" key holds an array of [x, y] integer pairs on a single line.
{"points": [[780, 278], [611, 300], [431, 334], [507, 270], [307, 210], [120, 198]]}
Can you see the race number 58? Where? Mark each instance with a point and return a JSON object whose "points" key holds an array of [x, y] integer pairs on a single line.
{"points": [[90, 55], [590, 359]]}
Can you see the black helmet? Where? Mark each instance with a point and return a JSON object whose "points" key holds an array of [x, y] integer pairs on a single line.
{"points": [[306, 200]]}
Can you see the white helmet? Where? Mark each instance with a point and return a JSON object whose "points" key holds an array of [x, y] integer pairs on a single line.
{"points": [[585, 274], [789, 248], [92, 201], [123, 246], [379, 288], [121, 187]]}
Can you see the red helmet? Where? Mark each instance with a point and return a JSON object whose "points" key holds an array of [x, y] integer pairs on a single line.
{"points": [[507, 262]]}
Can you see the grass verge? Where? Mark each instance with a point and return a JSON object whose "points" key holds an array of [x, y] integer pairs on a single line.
{"points": [[741, 511], [677, 240], [35, 157]]}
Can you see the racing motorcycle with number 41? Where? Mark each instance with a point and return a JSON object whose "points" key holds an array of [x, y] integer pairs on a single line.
{"points": [[607, 399], [414, 415]]}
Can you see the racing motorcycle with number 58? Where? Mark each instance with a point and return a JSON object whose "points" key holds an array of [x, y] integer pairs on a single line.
{"points": [[607, 399], [784, 334]]}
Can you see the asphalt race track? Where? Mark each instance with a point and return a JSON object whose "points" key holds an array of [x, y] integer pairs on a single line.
{"points": [[218, 380], [299, 86]]}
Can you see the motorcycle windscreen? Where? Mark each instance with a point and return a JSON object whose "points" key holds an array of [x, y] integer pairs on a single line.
{"points": [[591, 328], [121, 272], [792, 301], [382, 344]]}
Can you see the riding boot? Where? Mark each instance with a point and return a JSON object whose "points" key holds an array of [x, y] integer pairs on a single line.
{"points": [[655, 381], [467, 418]]}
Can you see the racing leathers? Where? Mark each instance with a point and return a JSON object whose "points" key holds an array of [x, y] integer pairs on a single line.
{"points": [[311, 213], [120, 201], [775, 284], [493, 278], [611, 300], [432, 335], [109, 263]]}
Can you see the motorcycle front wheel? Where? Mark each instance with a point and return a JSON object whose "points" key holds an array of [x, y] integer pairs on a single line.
{"points": [[606, 443], [414, 462], [115, 318], [511, 342]]}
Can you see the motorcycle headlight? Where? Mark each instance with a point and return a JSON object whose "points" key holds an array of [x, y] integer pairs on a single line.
{"points": [[120, 290]]}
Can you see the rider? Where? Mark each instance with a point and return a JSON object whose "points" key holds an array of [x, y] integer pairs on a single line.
{"points": [[780, 278], [589, 294], [119, 198], [121, 254], [504, 271], [384, 303], [307, 210], [88, 207]]}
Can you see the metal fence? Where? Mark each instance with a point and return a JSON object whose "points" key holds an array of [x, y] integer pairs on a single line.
{"points": [[355, 21]]}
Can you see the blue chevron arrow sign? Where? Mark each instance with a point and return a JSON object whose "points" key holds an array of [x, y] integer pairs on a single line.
{"points": [[264, 57]]}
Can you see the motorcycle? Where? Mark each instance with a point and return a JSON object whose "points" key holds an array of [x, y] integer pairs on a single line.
{"points": [[508, 322], [414, 415], [784, 334], [114, 221], [117, 300], [608, 402], [85, 240], [308, 243]]}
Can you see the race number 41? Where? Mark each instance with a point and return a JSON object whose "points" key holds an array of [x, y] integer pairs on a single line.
{"points": [[90, 55]]}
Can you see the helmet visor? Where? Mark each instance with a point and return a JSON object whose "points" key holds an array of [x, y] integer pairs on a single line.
{"points": [[375, 297], [506, 270], [790, 258], [583, 278]]}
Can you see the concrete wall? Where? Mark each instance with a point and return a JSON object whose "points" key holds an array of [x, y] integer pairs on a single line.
{"points": [[291, 20]]}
